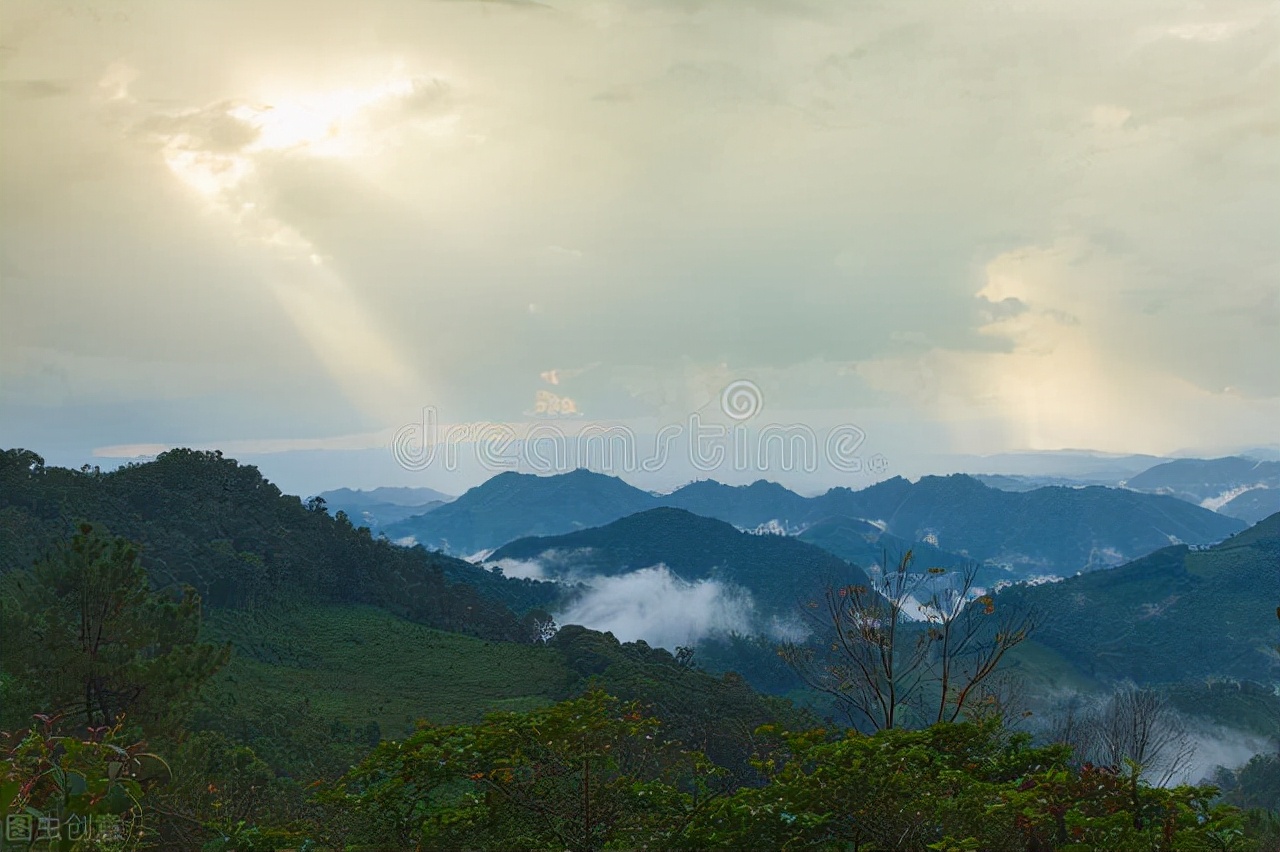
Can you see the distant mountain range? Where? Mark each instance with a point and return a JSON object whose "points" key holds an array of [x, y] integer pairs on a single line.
{"points": [[1176, 614], [1015, 482], [1239, 487], [381, 506], [1053, 530]]}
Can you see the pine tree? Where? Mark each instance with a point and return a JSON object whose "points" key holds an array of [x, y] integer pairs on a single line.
{"points": [[85, 636]]}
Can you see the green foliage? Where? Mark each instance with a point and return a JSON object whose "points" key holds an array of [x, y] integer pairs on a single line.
{"points": [[223, 797], [1256, 785], [596, 773], [959, 787], [590, 773], [86, 635], [84, 791]]}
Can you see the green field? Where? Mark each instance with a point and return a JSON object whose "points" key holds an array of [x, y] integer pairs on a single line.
{"points": [[358, 664]]}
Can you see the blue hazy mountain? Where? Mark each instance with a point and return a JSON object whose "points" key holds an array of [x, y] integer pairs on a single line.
{"points": [[378, 507], [1244, 488], [514, 505], [1054, 530]]}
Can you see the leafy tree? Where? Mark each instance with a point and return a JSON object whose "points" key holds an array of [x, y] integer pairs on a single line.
{"points": [[587, 774], [221, 796], [958, 788], [87, 787], [1258, 783], [86, 636]]}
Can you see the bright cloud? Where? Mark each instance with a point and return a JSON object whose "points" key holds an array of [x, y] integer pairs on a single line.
{"points": [[655, 605]]}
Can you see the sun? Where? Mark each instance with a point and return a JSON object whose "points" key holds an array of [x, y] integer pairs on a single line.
{"points": [[338, 123], [322, 124]]}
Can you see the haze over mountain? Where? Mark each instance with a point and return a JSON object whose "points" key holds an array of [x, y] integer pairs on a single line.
{"points": [[378, 507], [866, 544], [1244, 488], [807, 284], [1054, 530]]}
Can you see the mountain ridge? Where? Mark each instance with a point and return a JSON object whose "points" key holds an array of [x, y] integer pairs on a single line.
{"points": [[1051, 530]]}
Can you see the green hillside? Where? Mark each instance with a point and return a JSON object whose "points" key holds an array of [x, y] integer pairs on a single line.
{"points": [[1178, 614], [205, 521], [360, 664]]}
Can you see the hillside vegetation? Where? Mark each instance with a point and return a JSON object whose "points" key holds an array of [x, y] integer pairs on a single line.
{"points": [[1178, 614]]}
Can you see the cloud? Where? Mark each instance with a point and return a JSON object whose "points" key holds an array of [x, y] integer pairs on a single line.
{"points": [[655, 605], [1217, 745], [521, 569], [375, 218]]}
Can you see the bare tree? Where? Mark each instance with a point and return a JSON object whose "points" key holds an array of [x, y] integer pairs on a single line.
{"points": [[1141, 726], [920, 642], [969, 638], [1133, 728], [1075, 724]]}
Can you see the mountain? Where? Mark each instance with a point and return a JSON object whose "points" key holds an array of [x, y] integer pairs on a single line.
{"points": [[867, 545], [1075, 465], [1253, 505], [515, 505], [1053, 530], [1176, 614], [381, 506], [778, 570], [761, 504], [220, 527], [1216, 484], [408, 497], [1014, 482]]}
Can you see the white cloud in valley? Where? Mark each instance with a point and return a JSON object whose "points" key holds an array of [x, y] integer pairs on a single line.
{"points": [[655, 605]]}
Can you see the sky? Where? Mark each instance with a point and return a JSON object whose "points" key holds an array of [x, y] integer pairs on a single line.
{"points": [[304, 232]]}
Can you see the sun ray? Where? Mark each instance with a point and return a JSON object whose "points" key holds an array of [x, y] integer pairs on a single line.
{"points": [[340, 330]]}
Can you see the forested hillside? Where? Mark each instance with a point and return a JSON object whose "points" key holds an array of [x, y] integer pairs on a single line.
{"points": [[205, 521], [1178, 614]]}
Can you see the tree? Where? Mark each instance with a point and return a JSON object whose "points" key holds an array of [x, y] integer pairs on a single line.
{"points": [[1130, 726], [74, 782], [586, 774], [86, 637], [877, 662]]}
